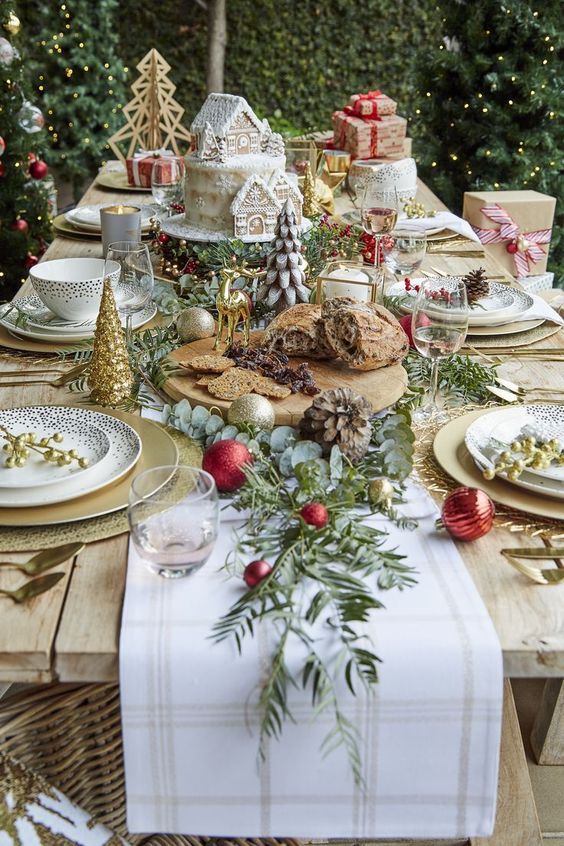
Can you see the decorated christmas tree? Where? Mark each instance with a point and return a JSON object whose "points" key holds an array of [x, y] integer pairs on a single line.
{"points": [[490, 101], [78, 79], [24, 214]]}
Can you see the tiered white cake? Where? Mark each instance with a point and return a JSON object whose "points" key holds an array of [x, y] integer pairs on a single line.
{"points": [[235, 181]]}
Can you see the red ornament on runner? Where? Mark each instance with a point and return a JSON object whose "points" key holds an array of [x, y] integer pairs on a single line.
{"points": [[256, 571], [225, 460], [467, 514], [315, 514]]}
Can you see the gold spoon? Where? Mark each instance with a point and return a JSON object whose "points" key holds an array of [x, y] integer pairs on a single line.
{"points": [[551, 576], [33, 588], [45, 560], [68, 376]]}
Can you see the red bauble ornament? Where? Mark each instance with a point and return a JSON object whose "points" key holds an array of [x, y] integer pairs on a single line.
{"points": [[163, 239], [315, 514], [224, 460], [38, 170], [30, 261], [467, 514], [256, 571], [512, 248], [405, 323], [20, 225], [2, 146], [2, 169]]}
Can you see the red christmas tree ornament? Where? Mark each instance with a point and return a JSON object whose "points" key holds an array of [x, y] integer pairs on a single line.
{"points": [[20, 225], [2, 169], [512, 248], [315, 514], [2, 146], [163, 239], [38, 169], [30, 261], [256, 571], [225, 460], [467, 514]]}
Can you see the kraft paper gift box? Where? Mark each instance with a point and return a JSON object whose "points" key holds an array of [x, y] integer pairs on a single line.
{"points": [[514, 227], [369, 139], [140, 166], [372, 105]]}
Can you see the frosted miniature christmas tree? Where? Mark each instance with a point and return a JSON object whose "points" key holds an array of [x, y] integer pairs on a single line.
{"points": [[285, 267]]}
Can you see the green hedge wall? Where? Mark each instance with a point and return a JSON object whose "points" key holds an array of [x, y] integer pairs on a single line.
{"points": [[295, 62]]}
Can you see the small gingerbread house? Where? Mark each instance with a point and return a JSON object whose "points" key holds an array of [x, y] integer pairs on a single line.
{"points": [[228, 121], [284, 188], [255, 209]]}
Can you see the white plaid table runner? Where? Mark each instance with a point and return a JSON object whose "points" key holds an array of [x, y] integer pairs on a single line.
{"points": [[430, 733]]}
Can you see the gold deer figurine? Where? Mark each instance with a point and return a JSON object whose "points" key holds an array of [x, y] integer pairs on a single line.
{"points": [[233, 306]]}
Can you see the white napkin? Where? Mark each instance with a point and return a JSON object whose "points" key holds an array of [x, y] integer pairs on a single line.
{"points": [[539, 309], [445, 220]]}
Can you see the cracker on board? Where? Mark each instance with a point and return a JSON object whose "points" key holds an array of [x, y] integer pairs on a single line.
{"points": [[210, 363], [268, 387], [232, 384]]}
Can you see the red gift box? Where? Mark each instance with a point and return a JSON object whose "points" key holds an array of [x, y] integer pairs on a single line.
{"points": [[374, 104], [140, 166], [367, 138]]}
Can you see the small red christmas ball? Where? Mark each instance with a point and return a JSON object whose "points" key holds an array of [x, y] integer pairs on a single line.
{"points": [[163, 239], [256, 571], [512, 248], [20, 225], [2, 169], [224, 460], [2, 146], [405, 323], [30, 261], [315, 514], [467, 514], [38, 170]]}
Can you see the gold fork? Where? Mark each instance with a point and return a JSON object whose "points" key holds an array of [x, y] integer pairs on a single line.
{"points": [[61, 380], [552, 576]]}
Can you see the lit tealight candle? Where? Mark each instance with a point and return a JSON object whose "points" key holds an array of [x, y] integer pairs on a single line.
{"points": [[119, 223]]}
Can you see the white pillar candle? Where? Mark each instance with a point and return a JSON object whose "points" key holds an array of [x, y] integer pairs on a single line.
{"points": [[348, 288], [119, 223]]}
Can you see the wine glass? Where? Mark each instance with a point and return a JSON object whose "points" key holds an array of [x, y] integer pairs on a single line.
{"points": [[173, 516], [167, 180], [379, 212], [404, 251], [439, 323], [135, 283]]}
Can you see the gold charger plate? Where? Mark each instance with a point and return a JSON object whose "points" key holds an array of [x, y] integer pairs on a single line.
{"points": [[117, 179], [506, 329], [67, 230], [158, 449], [519, 339], [450, 452], [14, 342]]}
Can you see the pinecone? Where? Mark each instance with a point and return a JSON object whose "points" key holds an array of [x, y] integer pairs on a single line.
{"points": [[342, 417], [477, 286]]}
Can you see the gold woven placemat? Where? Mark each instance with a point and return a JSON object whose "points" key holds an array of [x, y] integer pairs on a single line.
{"points": [[439, 483], [519, 339], [15, 539]]}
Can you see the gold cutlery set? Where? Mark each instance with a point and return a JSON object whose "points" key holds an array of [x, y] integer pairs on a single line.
{"points": [[40, 563]]}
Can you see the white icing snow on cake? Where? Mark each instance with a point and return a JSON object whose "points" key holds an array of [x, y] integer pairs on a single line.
{"points": [[235, 180], [389, 177]]}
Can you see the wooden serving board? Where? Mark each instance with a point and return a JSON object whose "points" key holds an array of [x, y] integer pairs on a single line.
{"points": [[381, 387]]}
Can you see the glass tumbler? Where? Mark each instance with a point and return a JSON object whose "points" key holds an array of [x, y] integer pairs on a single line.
{"points": [[173, 517]]}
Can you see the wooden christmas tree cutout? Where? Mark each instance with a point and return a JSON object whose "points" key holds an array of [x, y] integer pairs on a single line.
{"points": [[153, 117]]}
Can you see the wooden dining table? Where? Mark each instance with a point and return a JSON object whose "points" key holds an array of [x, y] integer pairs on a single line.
{"points": [[71, 634]]}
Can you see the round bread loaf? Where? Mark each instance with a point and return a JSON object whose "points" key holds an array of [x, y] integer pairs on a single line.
{"points": [[365, 335], [299, 331]]}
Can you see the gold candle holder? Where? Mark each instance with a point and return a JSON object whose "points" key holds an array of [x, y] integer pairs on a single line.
{"points": [[346, 278], [336, 167]]}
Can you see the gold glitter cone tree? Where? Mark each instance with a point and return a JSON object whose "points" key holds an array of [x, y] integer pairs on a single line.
{"points": [[311, 206], [110, 378]]}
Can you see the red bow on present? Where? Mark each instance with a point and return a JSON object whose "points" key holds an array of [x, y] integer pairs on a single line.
{"points": [[525, 244], [365, 106]]}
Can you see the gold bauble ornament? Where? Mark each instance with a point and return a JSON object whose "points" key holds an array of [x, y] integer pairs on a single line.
{"points": [[182, 243], [253, 409], [110, 378], [381, 492], [194, 324], [522, 244], [12, 25]]}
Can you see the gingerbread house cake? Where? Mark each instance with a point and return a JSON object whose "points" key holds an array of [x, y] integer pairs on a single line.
{"points": [[235, 180]]}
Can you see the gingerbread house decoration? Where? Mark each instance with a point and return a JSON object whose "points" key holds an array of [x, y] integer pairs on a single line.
{"points": [[226, 123], [284, 188], [255, 209]]}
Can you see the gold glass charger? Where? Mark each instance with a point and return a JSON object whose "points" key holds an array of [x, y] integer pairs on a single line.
{"points": [[158, 448], [453, 457], [117, 181]]}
